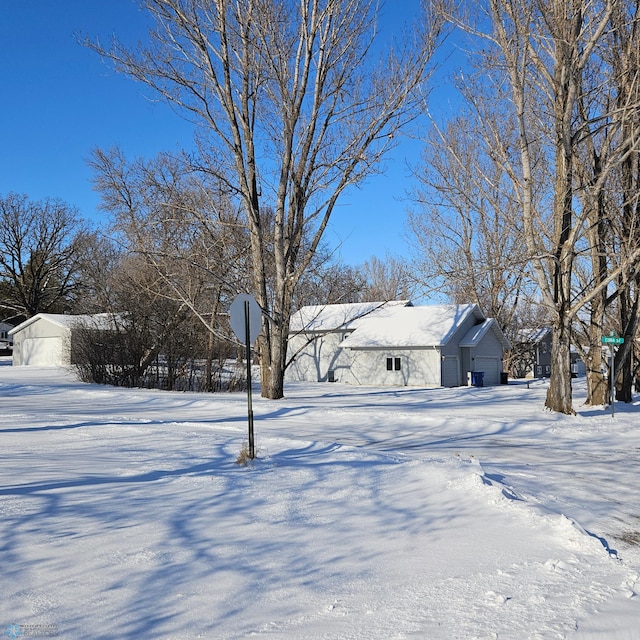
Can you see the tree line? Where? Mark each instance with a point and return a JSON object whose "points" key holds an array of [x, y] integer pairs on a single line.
{"points": [[159, 277], [527, 197]]}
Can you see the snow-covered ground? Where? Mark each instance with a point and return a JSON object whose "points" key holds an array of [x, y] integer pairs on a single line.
{"points": [[369, 513]]}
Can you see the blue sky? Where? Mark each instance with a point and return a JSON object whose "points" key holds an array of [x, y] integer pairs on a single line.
{"points": [[60, 101]]}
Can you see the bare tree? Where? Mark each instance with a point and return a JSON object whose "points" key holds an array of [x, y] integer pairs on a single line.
{"points": [[328, 281], [625, 61], [183, 225], [385, 280], [547, 51], [295, 105], [607, 188], [103, 258], [466, 229], [40, 254]]}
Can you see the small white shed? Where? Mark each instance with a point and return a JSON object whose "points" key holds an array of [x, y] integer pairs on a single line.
{"points": [[43, 340], [46, 339], [395, 344]]}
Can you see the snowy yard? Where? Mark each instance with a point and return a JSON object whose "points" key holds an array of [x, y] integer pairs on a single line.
{"points": [[370, 513]]}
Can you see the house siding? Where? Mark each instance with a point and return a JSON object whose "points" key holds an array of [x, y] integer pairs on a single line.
{"points": [[452, 346], [418, 367], [315, 358]]}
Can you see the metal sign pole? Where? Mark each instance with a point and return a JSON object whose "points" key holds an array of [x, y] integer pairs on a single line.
{"points": [[252, 452], [613, 380], [245, 318]]}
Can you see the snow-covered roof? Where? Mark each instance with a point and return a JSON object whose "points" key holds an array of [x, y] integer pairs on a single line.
{"points": [[67, 321], [476, 333], [334, 317], [533, 335], [420, 326]]}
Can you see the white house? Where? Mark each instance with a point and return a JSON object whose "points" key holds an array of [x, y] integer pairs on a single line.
{"points": [[46, 338], [395, 343]]}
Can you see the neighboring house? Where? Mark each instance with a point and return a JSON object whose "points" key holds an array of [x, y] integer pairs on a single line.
{"points": [[395, 343], [46, 339], [534, 355], [541, 343], [6, 341], [578, 367], [531, 354]]}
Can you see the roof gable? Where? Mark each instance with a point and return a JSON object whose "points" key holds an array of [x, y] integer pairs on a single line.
{"points": [[53, 318], [477, 332], [534, 336]]}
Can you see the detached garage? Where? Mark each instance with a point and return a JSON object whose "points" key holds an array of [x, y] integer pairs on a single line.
{"points": [[45, 340]]}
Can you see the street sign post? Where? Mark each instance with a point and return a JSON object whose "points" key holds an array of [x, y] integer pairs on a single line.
{"points": [[245, 318], [612, 339]]}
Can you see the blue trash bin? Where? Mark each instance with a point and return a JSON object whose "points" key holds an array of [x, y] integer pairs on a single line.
{"points": [[477, 378]]}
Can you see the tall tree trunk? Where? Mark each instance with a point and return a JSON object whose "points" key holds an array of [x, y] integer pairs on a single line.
{"points": [[559, 395], [567, 24], [597, 389], [272, 367]]}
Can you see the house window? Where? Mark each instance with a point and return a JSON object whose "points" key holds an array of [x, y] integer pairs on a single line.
{"points": [[394, 364]]}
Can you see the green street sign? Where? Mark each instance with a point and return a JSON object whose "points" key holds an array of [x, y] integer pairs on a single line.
{"points": [[612, 340]]}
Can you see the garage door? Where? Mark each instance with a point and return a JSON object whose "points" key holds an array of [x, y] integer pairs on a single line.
{"points": [[43, 352], [491, 368]]}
